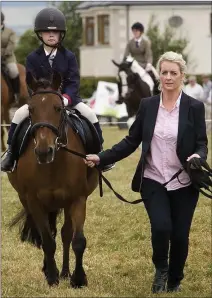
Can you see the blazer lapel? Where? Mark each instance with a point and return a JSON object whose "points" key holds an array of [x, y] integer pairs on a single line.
{"points": [[150, 118], [43, 59], [58, 60], [183, 116], [141, 45]]}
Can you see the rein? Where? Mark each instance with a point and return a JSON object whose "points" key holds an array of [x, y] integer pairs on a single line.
{"points": [[107, 182], [101, 177]]}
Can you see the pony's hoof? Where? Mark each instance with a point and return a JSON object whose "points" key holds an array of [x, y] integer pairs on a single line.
{"points": [[78, 280], [44, 270], [53, 281], [65, 274]]}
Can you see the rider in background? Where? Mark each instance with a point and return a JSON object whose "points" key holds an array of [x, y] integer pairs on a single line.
{"points": [[206, 85], [139, 47], [8, 42], [50, 27], [194, 89]]}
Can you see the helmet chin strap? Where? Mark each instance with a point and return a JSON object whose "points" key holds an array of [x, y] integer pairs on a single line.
{"points": [[56, 45]]}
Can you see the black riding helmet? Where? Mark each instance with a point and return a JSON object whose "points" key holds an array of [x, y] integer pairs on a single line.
{"points": [[2, 17], [50, 19], [138, 26]]}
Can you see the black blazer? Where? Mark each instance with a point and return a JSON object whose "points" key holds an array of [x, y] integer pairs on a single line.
{"points": [[64, 62], [192, 137]]}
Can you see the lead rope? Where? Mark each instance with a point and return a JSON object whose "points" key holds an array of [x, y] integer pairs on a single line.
{"points": [[101, 177]]}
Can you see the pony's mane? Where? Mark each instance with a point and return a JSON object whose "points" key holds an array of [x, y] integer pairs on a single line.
{"points": [[43, 83], [135, 67]]}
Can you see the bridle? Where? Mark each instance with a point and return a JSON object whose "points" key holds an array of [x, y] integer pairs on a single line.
{"points": [[128, 74], [59, 131]]}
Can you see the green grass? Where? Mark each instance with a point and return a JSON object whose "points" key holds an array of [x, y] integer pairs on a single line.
{"points": [[118, 255]]}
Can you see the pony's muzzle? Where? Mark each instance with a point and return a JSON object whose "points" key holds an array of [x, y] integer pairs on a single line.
{"points": [[45, 156]]}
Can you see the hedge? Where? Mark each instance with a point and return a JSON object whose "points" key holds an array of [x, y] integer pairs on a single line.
{"points": [[89, 84]]}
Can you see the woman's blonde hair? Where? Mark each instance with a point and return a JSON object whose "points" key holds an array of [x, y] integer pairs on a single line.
{"points": [[172, 57]]}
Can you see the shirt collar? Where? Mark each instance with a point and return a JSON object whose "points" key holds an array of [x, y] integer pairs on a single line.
{"points": [[177, 102], [52, 54], [139, 39]]}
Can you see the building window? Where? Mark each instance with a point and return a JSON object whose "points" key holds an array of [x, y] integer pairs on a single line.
{"points": [[103, 29], [89, 31], [211, 23], [175, 21]]}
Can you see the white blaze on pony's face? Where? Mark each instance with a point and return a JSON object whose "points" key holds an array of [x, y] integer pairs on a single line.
{"points": [[45, 113], [124, 87]]}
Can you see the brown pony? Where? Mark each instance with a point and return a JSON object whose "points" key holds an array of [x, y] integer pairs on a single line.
{"points": [[49, 179], [7, 98]]}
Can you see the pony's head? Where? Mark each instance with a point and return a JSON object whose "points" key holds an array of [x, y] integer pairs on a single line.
{"points": [[47, 114], [127, 70], [125, 65]]}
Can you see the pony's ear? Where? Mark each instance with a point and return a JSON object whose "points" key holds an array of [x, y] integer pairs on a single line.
{"points": [[31, 81], [56, 80], [115, 63]]}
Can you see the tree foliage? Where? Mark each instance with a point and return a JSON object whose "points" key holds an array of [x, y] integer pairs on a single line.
{"points": [[165, 41], [73, 37], [26, 44]]}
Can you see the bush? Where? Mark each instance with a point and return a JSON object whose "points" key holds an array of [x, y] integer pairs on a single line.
{"points": [[165, 41], [27, 43]]}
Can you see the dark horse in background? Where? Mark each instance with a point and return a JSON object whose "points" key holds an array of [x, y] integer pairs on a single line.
{"points": [[131, 87], [48, 179]]}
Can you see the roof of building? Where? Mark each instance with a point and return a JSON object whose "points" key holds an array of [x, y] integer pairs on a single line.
{"points": [[90, 4]]}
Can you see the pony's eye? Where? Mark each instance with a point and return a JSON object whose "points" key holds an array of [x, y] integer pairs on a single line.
{"points": [[57, 108]]}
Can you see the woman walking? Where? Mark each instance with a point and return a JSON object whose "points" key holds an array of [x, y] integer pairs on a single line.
{"points": [[171, 127]]}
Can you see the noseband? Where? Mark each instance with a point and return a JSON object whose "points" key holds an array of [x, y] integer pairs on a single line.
{"points": [[58, 131]]}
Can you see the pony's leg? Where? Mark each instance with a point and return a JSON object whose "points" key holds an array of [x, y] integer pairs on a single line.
{"points": [[78, 210], [52, 217], [48, 243], [66, 234], [3, 147]]}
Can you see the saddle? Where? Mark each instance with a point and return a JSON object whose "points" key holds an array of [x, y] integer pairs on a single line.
{"points": [[80, 124]]}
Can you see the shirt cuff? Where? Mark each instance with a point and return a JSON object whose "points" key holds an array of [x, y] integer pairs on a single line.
{"points": [[101, 156], [66, 99]]}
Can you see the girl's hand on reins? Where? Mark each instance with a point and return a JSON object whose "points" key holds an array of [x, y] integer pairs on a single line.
{"points": [[92, 160]]}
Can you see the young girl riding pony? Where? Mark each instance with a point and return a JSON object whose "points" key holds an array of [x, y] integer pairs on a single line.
{"points": [[50, 27]]}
